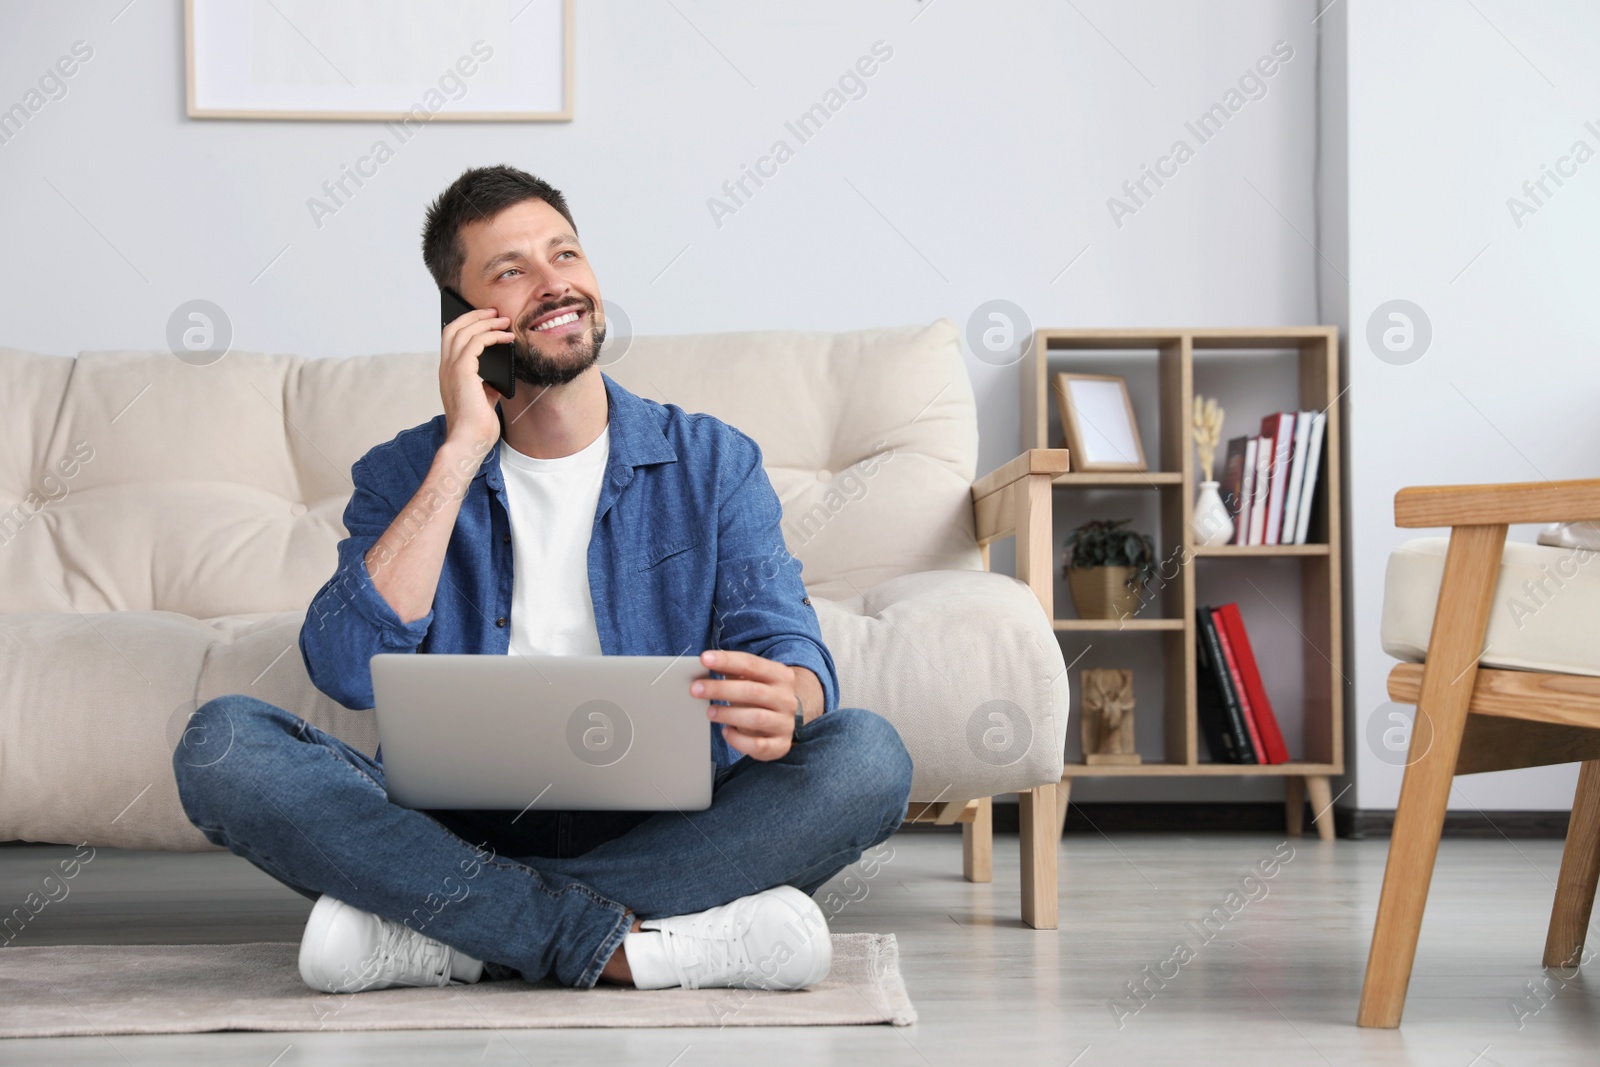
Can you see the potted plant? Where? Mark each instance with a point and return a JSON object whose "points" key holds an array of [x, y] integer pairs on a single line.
{"points": [[1107, 565]]}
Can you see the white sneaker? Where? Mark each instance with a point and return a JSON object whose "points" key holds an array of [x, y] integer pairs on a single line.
{"points": [[777, 939], [347, 950]]}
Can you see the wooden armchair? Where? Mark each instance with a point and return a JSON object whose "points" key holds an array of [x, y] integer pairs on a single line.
{"points": [[1471, 719], [1014, 501]]}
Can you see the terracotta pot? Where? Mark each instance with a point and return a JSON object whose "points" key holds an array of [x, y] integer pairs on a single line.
{"points": [[1102, 592]]}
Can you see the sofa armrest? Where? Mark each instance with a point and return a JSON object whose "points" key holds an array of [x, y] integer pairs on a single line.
{"points": [[1493, 505], [1015, 501]]}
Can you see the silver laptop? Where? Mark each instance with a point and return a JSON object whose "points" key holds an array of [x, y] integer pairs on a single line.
{"points": [[557, 733]]}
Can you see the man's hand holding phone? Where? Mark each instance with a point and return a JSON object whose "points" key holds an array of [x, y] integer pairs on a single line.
{"points": [[469, 401], [406, 561]]}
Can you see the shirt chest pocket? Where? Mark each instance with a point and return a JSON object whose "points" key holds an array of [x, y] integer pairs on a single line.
{"points": [[677, 550]]}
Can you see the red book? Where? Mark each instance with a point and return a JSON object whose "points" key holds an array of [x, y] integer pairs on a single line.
{"points": [[1230, 622], [1232, 664]]}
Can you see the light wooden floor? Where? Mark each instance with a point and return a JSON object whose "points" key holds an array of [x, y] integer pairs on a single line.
{"points": [[1277, 985]]}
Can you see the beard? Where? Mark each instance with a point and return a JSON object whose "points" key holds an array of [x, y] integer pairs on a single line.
{"points": [[576, 353]]}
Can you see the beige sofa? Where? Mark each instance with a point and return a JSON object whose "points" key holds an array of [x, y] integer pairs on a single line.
{"points": [[163, 527]]}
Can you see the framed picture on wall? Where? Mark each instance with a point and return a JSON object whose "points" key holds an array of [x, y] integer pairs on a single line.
{"points": [[403, 61], [1097, 421]]}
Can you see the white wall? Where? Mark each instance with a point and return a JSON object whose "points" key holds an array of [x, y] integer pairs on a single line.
{"points": [[1451, 108], [978, 165]]}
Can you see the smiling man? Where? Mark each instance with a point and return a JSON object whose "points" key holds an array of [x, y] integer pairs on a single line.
{"points": [[574, 518]]}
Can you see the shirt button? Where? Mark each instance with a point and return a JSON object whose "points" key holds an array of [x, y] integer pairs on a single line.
{"points": [[805, 600], [501, 621], [506, 539]]}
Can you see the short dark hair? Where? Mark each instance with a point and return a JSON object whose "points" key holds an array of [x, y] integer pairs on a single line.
{"points": [[480, 193]]}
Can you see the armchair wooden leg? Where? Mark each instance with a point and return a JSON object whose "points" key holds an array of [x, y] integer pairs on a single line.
{"points": [[1580, 872], [977, 843], [1294, 804], [1418, 821], [1037, 819], [1322, 804], [1470, 569]]}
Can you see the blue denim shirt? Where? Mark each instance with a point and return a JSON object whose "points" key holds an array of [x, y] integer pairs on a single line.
{"points": [[686, 554]]}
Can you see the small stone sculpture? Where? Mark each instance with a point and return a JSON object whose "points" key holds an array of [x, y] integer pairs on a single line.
{"points": [[1108, 716]]}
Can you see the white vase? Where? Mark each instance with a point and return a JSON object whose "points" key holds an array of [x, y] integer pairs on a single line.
{"points": [[1212, 524]]}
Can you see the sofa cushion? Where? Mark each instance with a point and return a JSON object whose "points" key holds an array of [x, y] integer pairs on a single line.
{"points": [[217, 490], [870, 438], [966, 667], [1545, 614], [963, 663], [92, 706], [210, 490]]}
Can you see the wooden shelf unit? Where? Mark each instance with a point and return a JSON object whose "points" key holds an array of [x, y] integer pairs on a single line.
{"points": [[1175, 483]]}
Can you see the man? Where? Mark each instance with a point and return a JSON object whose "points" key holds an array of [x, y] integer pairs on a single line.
{"points": [[575, 518]]}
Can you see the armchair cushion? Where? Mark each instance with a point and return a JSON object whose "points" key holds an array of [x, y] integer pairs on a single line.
{"points": [[1545, 615]]}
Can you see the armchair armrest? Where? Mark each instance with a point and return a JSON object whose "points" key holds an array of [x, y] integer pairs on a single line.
{"points": [[1050, 461], [992, 492], [1014, 501], [1493, 505]]}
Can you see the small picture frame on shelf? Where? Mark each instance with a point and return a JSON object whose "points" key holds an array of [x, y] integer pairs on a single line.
{"points": [[1097, 421]]}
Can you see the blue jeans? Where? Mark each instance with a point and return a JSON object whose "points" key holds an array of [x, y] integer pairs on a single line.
{"points": [[543, 894]]}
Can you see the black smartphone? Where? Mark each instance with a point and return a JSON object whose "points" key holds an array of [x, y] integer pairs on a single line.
{"points": [[495, 364]]}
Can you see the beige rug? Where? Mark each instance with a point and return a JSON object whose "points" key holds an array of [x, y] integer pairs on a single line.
{"points": [[180, 989]]}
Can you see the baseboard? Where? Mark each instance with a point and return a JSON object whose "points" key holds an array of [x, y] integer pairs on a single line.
{"points": [[1209, 817], [1499, 825]]}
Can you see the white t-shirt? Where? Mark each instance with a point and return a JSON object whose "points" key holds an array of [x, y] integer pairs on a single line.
{"points": [[552, 505]]}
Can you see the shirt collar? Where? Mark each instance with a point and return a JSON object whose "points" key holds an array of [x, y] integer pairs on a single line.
{"points": [[636, 437]]}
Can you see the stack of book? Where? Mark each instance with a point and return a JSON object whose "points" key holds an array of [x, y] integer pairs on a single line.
{"points": [[1235, 714], [1269, 481]]}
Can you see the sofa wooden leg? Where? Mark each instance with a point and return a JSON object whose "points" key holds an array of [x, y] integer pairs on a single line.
{"points": [[1037, 819], [977, 843], [1063, 798], [1580, 872], [1321, 793], [1294, 804]]}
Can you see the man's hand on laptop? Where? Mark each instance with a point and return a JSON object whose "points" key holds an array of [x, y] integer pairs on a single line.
{"points": [[762, 697]]}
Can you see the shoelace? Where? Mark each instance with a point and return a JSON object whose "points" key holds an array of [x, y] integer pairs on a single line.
{"points": [[707, 944], [417, 953]]}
